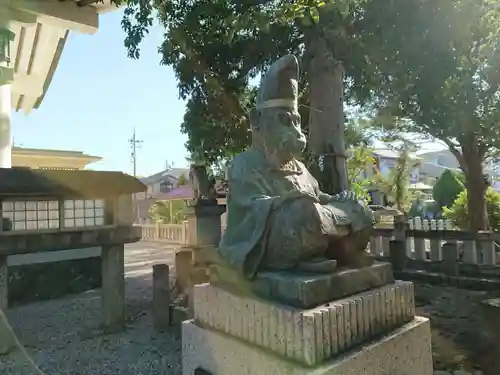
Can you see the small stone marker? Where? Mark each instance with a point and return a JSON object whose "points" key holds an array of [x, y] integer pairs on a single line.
{"points": [[113, 288], [161, 296], [450, 259], [397, 250]]}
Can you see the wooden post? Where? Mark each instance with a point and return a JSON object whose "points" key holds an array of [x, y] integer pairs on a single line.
{"points": [[398, 256], [113, 288], [450, 259], [161, 296], [171, 218]]}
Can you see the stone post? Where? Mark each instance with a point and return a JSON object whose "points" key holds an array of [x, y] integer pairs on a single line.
{"points": [[4, 281], [204, 223], [450, 258], [113, 288], [435, 243], [487, 249], [398, 257], [470, 252], [161, 296], [419, 243]]}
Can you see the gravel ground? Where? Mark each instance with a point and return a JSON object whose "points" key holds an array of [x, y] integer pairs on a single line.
{"points": [[63, 337], [465, 330]]}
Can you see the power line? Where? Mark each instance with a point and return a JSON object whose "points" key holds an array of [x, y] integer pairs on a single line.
{"points": [[134, 145]]}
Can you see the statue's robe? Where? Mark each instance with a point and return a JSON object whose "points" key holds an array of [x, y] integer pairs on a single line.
{"points": [[256, 206]]}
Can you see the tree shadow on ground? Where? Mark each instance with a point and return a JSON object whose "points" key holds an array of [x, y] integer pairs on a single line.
{"points": [[465, 332]]}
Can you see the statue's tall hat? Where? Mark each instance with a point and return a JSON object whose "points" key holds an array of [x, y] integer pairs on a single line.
{"points": [[279, 87]]}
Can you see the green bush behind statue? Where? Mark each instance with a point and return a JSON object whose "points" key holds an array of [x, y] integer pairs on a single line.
{"points": [[458, 213]]}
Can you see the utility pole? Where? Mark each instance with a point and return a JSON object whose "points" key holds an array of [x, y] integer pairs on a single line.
{"points": [[134, 145]]}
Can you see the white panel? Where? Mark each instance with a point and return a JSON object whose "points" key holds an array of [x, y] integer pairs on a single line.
{"points": [[16, 29], [26, 46], [48, 41]]}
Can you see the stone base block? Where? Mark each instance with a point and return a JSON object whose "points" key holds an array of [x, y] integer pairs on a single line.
{"points": [[404, 351], [30, 282], [306, 290], [309, 336]]}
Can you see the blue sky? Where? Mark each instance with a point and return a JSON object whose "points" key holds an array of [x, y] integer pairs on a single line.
{"points": [[98, 96]]}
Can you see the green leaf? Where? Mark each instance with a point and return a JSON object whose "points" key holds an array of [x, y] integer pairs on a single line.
{"points": [[314, 13]]}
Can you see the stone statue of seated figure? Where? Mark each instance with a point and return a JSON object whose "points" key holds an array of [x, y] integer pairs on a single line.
{"points": [[278, 219]]}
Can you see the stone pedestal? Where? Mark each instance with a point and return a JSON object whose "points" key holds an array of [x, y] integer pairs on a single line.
{"points": [[204, 226], [368, 333], [204, 223]]}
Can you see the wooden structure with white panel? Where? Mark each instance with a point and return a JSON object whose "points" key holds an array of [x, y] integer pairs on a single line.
{"points": [[33, 34]]}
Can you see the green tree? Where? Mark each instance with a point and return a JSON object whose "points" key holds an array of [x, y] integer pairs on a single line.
{"points": [[360, 159], [458, 213], [447, 189], [168, 212], [182, 180], [217, 47], [396, 184], [439, 75]]}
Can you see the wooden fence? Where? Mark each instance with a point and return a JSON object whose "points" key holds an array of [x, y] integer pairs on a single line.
{"points": [[171, 233]]}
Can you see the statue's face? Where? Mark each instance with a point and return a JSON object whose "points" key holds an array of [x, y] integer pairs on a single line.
{"points": [[280, 132]]}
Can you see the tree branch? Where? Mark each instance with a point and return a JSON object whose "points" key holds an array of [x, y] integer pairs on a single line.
{"points": [[457, 154]]}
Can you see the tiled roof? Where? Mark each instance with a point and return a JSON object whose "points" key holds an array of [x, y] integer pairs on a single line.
{"points": [[186, 192], [176, 173], [81, 183]]}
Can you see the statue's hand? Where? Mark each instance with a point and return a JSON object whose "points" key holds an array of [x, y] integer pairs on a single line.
{"points": [[296, 194], [345, 195]]}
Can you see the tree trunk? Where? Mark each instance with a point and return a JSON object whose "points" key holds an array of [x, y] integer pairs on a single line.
{"points": [[476, 185], [326, 115]]}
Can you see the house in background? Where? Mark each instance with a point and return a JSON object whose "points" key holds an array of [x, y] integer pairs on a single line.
{"points": [[164, 186], [162, 182], [429, 165], [436, 162], [159, 185], [444, 159]]}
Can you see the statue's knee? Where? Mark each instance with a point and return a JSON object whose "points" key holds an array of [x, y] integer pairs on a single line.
{"points": [[300, 212]]}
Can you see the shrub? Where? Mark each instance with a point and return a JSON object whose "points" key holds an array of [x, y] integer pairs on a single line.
{"points": [[160, 212], [458, 213], [447, 189]]}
